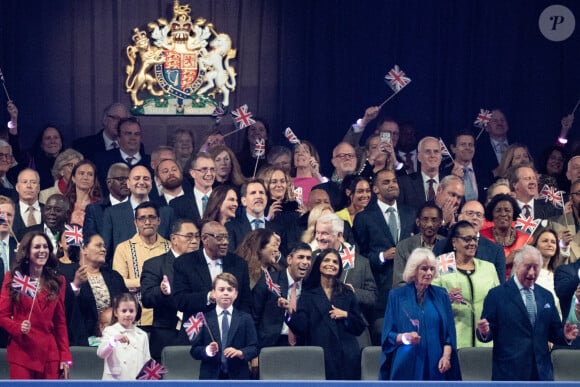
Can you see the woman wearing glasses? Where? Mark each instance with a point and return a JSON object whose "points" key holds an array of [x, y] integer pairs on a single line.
{"points": [[468, 285]]}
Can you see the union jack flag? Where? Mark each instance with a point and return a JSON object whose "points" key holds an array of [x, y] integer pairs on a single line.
{"points": [[291, 137], [298, 194], [446, 263], [73, 235], [219, 112], [444, 150], [527, 224], [193, 325], [242, 117], [347, 256], [24, 284], [483, 118], [549, 194], [272, 286], [414, 322], [260, 147], [151, 371], [397, 79]]}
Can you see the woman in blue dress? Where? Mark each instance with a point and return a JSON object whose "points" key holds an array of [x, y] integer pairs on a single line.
{"points": [[418, 339]]}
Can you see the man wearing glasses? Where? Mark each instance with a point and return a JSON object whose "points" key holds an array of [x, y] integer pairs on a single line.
{"points": [[194, 273], [203, 173], [107, 138], [131, 254], [344, 161], [156, 286], [119, 220]]}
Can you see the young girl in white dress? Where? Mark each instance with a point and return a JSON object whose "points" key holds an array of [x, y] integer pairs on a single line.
{"points": [[124, 347]]}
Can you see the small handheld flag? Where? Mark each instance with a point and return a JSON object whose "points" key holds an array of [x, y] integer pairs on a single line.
{"points": [[272, 286], [347, 256], [397, 79], [219, 112], [291, 137], [193, 325], [483, 118], [151, 371], [73, 235], [24, 284], [446, 263], [550, 195], [527, 224], [242, 117], [260, 147]]}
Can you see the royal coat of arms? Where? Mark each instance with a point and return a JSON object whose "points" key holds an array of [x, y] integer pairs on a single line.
{"points": [[184, 70]]}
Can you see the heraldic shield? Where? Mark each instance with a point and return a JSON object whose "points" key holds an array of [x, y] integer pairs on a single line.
{"points": [[184, 69]]}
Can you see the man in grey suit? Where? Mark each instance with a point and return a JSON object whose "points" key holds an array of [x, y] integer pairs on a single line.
{"points": [[429, 218], [356, 272]]}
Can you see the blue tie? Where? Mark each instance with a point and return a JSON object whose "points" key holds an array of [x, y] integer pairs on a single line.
{"points": [[258, 223], [392, 222], [204, 200], [530, 305], [470, 193], [225, 331]]}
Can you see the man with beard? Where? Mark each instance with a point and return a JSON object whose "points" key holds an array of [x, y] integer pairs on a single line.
{"points": [[170, 176], [356, 272], [474, 213], [131, 254], [194, 272], [156, 286], [377, 230], [269, 309], [54, 215], [428, 220], [254, 200], [119, 220], [117, 178]]}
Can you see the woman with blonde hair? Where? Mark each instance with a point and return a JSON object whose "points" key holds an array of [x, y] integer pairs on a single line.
{"points": [[61, 173], [228, 170], [515, 154]]}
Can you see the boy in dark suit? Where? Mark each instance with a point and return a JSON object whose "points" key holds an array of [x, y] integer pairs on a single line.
{"points": [[228, 340]]}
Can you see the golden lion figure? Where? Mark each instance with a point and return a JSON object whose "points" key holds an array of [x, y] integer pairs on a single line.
{"points": [[219, 74], [148, 56]]}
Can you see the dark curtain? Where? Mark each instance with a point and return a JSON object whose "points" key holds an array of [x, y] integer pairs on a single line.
{"points": [[311, 65]]}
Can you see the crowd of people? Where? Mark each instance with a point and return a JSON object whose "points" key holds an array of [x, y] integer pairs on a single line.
{"points": [[103, 244]]}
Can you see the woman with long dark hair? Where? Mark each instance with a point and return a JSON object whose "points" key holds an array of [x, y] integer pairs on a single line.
{"points": [[328, 316], [34, 316]]}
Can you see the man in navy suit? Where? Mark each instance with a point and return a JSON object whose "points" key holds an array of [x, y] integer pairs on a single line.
{"points": [[254, 200], [193, 273], [416, 187], [117, 178], [156, 286], [119, 220], [192, 205], [463, 147], [107, 138], [269, 310], [524, 183], [521, 318], [474, 213], [374, 234], [224, 354], [129, 151]]}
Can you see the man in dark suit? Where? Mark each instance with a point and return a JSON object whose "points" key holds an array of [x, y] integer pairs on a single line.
{"points": [[28, 209], [129, 151], [345, 163], [521, 318], [193, 275], [419, 187], [524, 183], [356, 273], [7, 248], [156, 286], [107, 138], [54, 213], [374, 228], [192, 205], [117, 178], [491, 146], [269, 310], [463, 147], [224, 353], [119, 220], [566, 282], [474, 213], [254, 200], [170, 175]]}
